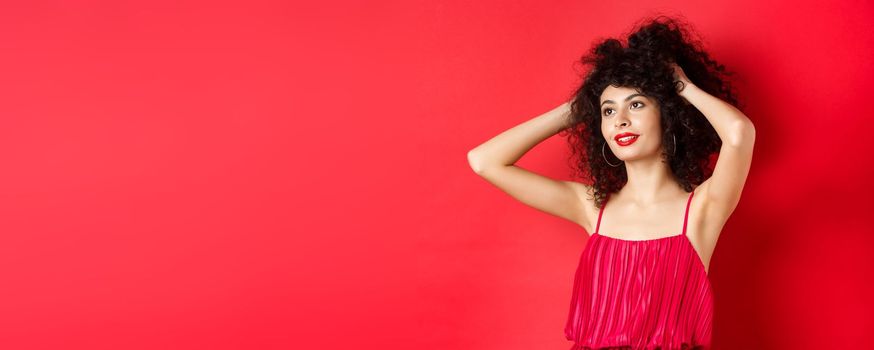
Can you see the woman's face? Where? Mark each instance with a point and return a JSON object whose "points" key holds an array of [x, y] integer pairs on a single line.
{"points": [[625, 110]]}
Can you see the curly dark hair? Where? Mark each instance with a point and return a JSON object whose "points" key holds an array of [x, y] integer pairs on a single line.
{"points": [[645, 65]]}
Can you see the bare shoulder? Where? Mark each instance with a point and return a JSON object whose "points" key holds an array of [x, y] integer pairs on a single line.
{"points": [[584, 193]]}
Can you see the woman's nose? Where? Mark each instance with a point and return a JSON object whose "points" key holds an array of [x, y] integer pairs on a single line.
{"points": [[621, 118]]}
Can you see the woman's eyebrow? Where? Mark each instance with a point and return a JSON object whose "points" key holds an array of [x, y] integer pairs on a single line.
{"points": [[626, 99]]}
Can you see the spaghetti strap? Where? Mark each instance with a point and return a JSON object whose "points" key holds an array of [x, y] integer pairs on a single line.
{"points": [[601, 212], [686, 217]]}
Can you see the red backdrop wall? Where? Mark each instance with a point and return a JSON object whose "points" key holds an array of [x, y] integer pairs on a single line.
{"points": [[275, 175]]}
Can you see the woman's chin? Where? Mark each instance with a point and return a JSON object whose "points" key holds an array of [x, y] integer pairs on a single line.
{"points": [[637, 156]]}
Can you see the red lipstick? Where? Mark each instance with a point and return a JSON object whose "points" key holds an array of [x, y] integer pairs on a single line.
{"points": [[626, 142]]}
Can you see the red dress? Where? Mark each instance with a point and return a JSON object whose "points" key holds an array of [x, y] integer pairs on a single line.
{"points": [[640, 294]]}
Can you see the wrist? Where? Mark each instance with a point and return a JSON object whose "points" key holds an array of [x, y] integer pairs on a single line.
{"points": [[686, 88]]}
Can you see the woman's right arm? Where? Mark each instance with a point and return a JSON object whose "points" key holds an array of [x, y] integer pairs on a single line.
{"points": [[495, 159]]}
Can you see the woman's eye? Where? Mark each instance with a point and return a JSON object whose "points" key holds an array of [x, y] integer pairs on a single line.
{"points": [[633, 103]]}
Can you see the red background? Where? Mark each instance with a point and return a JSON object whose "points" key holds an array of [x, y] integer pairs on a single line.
{"points": [[275, 175]]}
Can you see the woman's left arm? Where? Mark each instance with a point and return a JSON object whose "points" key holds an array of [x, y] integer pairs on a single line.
{"points": [[723, 189]]}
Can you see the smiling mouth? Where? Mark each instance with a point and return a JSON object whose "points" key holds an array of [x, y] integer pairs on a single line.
{"points": [[625, 141]]}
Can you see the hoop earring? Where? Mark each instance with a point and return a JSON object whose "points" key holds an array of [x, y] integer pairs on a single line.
{"points": [[605, 157], [675, 145]]}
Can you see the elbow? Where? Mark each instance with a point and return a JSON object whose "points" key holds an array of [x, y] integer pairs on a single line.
{"points": [[481, 162], [743, 135], [474, 161]]}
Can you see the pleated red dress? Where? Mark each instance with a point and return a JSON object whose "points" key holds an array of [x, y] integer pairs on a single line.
{"points": [[640, 294]]}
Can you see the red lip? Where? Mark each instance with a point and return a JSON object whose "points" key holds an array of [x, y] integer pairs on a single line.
{"points": [[619, 136], [624, 134]]}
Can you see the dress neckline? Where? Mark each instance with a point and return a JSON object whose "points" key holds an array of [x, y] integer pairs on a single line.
{"points": [[637, 240]]}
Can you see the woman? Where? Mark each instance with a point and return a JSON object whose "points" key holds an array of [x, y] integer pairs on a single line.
{"points": [[645, 122]]}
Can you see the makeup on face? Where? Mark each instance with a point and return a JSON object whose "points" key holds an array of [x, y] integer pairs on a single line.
{"points": [[626, 138], [635, 101]]}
